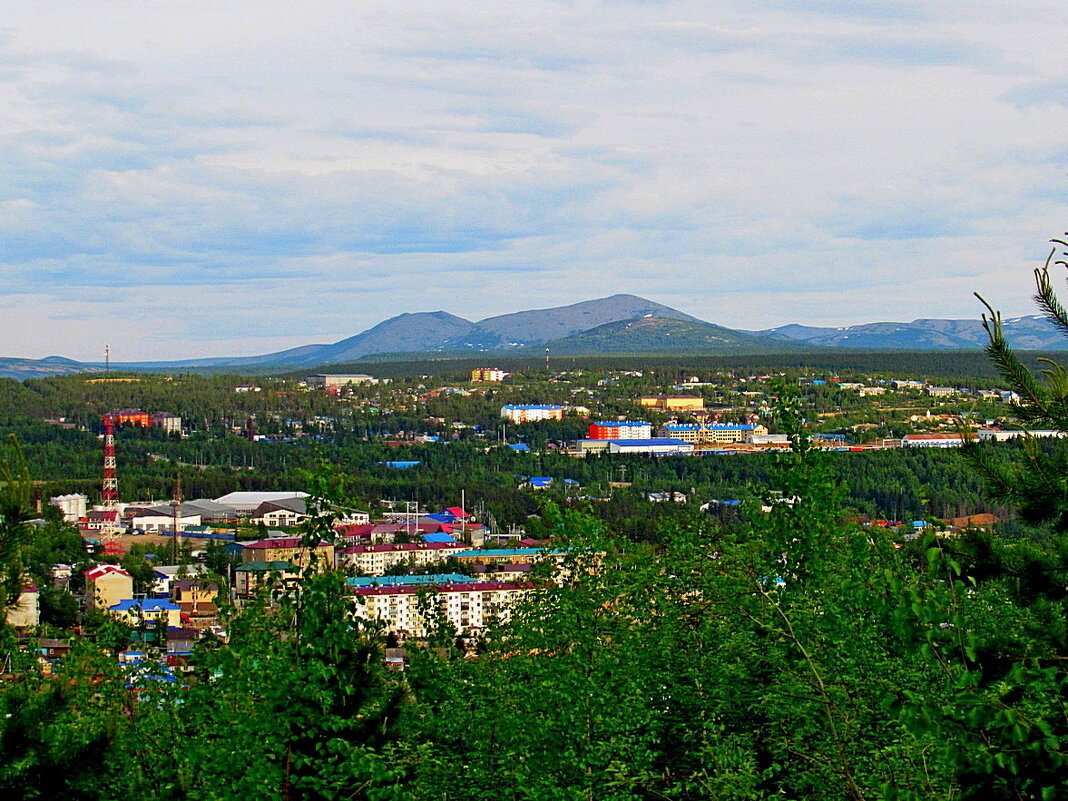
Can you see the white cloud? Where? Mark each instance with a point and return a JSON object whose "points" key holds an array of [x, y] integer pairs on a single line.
{"points": [[251, 176]]}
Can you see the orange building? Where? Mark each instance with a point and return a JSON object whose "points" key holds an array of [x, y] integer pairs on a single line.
{"points": [[132, 417]]}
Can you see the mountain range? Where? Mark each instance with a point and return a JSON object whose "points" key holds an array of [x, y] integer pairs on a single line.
{"points": [[620, 324]]}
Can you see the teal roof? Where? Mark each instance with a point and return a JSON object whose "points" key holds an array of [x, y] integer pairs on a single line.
{"points": [[256, 567], [403, 581], [507, 552]]}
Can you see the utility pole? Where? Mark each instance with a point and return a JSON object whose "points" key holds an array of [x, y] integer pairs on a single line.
{"points": [[176, 504]]}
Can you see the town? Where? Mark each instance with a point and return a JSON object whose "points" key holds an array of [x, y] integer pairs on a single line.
{"points": [[165, 567]]}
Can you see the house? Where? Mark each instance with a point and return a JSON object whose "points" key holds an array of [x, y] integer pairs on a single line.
{"points": [[137, 612], [164, 575], [282, 513], [106, 585], [196, 599], [52, 652], [101, 520]]}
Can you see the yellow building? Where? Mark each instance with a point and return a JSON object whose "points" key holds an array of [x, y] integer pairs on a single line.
{"points": [[106, 585], [673, 403], [289, 549]]}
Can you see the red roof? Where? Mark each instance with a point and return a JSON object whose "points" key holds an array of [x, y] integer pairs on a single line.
{"points": [[358, 530], [102, 570]]}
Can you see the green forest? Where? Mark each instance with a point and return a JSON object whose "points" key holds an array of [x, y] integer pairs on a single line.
{"points": [[793, 655]]}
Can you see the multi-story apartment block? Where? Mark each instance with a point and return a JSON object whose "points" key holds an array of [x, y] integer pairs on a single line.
{"points": [[620, 429], [487, 374], [375, 560], [673, 403], [288, 549], [336, 380], [469, 607], [713, 433], [528, 413]]}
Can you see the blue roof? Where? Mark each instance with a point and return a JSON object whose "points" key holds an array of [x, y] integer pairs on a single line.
{"points": [[709, 427], [620, 423], [522, 446], [401, 465], [440, 536], [407, 581], [506, 552], [540, 481], [532, 406], [144, 604]]}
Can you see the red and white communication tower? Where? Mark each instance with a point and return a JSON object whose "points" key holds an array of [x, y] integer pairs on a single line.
{"points": [[110, 494]]}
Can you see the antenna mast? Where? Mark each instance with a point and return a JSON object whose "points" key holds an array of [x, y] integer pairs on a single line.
{"points": [[109, 495]]}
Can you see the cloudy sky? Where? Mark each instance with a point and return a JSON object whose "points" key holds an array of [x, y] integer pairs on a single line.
{"points": [[219, 177]]}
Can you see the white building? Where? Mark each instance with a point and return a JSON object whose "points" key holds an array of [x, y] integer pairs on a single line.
{"points": [[529, 413], [997, 435], [931, 441], [375, 560], [470, 608], [281, 513], [333, 380], [658, 446]]}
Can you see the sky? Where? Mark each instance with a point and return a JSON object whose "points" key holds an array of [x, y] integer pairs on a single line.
{"points": [[219, 177]]}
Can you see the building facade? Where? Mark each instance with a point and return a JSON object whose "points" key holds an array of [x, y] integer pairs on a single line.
{"points": [[529, 413], [620, 429], [470, 608], [487, 374]]}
